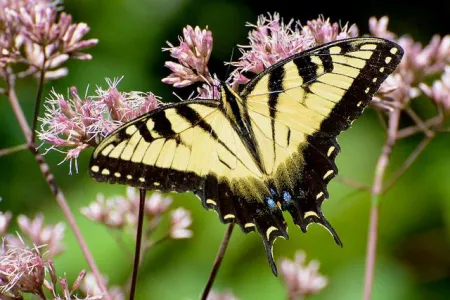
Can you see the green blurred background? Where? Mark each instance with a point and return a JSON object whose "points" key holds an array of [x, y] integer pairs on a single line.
{"points": [[414, 247]]}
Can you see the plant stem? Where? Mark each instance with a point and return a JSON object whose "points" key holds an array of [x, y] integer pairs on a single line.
{"points": [[12, 150], [48, 176], [418, 121], [377, 189], [41, 294], [411, 130], [40, 89], [218, 261], [352, 183], [409, 161], [137, 253]]}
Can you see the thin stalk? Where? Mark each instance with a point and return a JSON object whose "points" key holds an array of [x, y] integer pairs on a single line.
{"points": [[418, 121], [56, 191], [409, 161], [157, 242], [40, 89], [411, 130], [12, 150], [137, 254], [41, 294], [377, 189], [352, 183], [218, 261]]}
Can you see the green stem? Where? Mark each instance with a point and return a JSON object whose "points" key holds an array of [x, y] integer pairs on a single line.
{"points": [[409, 161], [12, 150]]}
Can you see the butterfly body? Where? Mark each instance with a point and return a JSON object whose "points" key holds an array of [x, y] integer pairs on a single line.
{"points": [[254, 154]]}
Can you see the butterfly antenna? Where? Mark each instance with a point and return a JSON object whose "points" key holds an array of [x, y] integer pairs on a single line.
{"points": [[137, 253]]}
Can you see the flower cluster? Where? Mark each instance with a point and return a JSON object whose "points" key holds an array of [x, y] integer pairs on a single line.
{"points": [[272, 40], [119, 212], [418, 66], [25, 269], [193, 55], [48, 238], [75, 123], [36, 35], [301, 279], [89, 286], [22, 270]]}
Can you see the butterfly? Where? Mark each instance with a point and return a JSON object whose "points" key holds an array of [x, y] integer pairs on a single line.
{"points": [[269, 148]]}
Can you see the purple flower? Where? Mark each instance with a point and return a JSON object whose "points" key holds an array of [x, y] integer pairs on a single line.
{"points": [[324, 31], [272, 40], [379, 28], [21, 271], [76, 124], [418, 64], [37, 35], [192, 55]]}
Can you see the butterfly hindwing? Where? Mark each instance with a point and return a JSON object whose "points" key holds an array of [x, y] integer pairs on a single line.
{"points": [[253, 154]]}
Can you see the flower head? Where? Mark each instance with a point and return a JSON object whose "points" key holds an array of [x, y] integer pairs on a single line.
{"points": [[192, 55], [89, 287], [118, 211], [439, 91], [301, 279], [76, 124], [22, 270], [419, 63], [324, 31], [39, 36], [272, 40], [5, 217], [180, 221], [49, 237]]}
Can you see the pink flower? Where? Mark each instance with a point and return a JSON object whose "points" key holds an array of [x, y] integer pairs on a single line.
{"points": [[76, 124], [180, 221], [439, 92], [49, 237], [226, 295], [301, 279], [5, 217], [37, 35], [192, 55], [324, 31], [272, 40], [21, 271], [157, 204], [118, 211]]}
